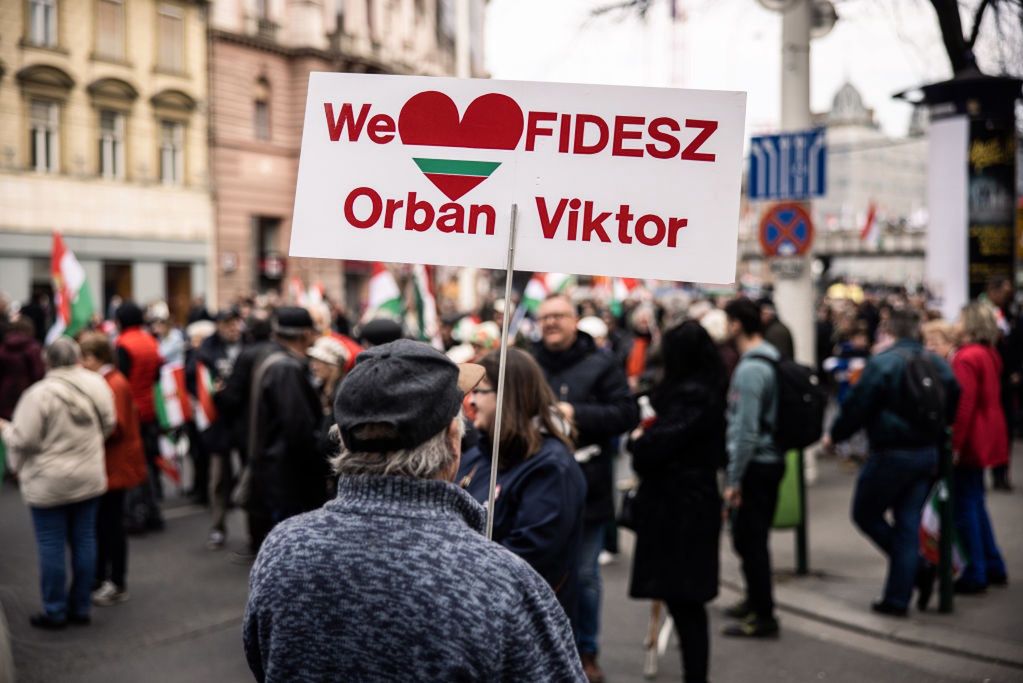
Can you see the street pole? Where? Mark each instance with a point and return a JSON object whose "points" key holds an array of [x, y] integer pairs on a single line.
{"points": [[793, 292], [467, 277]]}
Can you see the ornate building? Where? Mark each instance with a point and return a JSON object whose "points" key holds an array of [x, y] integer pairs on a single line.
{"points": [[103, 137]]}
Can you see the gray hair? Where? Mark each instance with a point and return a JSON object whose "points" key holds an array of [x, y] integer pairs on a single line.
{"points": [[425, 461], [62, 353]]}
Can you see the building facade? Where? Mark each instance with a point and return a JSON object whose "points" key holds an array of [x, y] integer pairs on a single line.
{"points": [[262, 52], [103, 137]]}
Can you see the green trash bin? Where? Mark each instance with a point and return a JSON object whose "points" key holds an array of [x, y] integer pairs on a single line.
{"points": [[788, 514]]}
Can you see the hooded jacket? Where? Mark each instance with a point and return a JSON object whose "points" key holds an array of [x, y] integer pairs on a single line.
{"points": [[56, 438]]}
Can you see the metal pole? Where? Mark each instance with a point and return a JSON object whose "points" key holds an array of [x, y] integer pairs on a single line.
{"points": [[946, 589], [802, 544], [500, 372]]}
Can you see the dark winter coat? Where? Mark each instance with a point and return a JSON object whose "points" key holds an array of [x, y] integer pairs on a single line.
{"points": [[289, 473], [678, 508], [233, 400], [595, 385], [538, 510], [21, 365], [214, 353]]}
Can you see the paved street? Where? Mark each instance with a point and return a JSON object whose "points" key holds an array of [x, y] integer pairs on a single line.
{"points": [[182, 623]]}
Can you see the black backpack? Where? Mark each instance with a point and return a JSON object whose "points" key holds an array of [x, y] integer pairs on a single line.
{"points": [[924, 401], [801, 403]]}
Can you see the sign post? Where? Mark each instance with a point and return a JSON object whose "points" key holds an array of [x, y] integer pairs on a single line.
{"points": [[629, 182]]}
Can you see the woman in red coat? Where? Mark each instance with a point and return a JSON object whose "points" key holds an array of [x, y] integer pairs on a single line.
{"points": [[979, 441], [126, 468]]}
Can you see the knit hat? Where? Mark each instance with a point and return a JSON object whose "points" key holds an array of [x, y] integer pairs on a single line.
{"points": [[329, 350]]}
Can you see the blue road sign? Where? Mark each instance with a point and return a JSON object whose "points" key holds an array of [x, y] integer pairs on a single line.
{"points": [[789, 166]]}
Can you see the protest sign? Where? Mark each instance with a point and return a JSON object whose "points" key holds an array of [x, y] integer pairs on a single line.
{"points": [[608, 180]]}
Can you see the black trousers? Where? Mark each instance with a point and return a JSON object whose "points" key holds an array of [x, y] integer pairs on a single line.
{"points": [[751, 528], [111, 539], [693, 638]]}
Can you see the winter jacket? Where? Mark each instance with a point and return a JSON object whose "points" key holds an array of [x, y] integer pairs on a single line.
{"points": [[538, 510], [752, 412], [125, 454], [55, 440], [677, 509], [138, 358], [232, 401], [219, 358], [289, 473], [595, 385], [979, 434], [21, 365], [878, 402], [393, 580]]}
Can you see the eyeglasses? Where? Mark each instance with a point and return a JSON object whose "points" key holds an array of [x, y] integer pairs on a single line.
{"points": [[480, 392], [553, 317]]}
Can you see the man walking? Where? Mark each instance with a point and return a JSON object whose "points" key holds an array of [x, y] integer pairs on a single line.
{"points": [[594, 396], [393, 580], [755, 467], [903, 449]]}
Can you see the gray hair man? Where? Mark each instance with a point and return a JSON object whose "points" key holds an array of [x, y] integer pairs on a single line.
{"points": [[393, 579]]}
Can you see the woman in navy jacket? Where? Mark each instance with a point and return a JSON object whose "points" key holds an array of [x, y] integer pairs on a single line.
{"points": [[540, 488], [677, 510]]}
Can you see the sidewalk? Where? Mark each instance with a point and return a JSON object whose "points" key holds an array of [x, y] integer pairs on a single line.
{"points": [[847, 574]]}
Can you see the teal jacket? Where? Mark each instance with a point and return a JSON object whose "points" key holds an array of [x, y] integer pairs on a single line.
{"points": [[875, 402], [752, 412]]}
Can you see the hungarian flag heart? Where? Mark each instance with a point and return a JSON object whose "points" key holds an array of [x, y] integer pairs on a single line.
{"points": [[491, 121]]}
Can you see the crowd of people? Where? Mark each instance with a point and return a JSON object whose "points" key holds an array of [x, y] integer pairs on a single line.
{"points": [[387, 444]]}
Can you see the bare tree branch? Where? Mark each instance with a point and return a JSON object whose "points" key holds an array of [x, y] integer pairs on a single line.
{"points": [[959, 53], [978, 16]]}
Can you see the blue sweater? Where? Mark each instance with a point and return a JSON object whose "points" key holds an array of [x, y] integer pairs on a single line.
{"points": [[393, 581]]}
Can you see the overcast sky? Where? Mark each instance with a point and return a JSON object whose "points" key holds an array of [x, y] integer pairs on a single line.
{"points": [[881, 46]]}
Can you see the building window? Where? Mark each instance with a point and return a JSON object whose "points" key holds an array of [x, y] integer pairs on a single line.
{"points": [[172, 152], [45, 135], [170, 38], [111, 144], [261, 119], [110, 29], [42, 22]]}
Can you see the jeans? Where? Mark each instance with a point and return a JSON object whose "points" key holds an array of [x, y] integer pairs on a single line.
{"points": [[112, 539], [57, 527], [751, 529], [974, 527], [693, 638], [896, 480], [588, 613]]}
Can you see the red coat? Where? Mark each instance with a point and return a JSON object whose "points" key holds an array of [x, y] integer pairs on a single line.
{"points": [[145, 361], [126, 459], [979, 434]]}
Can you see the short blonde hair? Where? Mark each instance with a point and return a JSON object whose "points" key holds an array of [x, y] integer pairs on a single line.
{"points": [[979, 323], [941, 328]]}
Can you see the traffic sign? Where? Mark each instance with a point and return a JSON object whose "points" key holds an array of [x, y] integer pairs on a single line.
{"points": [[789, 166], [786, 230]]}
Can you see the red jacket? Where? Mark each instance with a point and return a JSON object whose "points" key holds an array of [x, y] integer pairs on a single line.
{"points": [[143, 368], [979, 433], [126, 459]]}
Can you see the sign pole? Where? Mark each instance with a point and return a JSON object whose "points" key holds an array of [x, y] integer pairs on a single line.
{"points": [[500, 373]]}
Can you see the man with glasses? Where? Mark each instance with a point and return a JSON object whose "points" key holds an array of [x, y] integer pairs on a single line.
{"points": [[594, 396]]}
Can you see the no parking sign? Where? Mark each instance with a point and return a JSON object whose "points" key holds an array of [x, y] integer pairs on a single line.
{"points": [[786, 230]]}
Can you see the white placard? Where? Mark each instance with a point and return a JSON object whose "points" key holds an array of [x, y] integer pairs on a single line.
{"points": [[633, 182]]}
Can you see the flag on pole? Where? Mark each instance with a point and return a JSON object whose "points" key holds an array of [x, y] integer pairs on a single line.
{"points": [[871, 232], [621, 288], [205, 410], [384, 295], [535, 293], [558, 283], [426, 305], [170, 397], [72, 296], [167, 461]]}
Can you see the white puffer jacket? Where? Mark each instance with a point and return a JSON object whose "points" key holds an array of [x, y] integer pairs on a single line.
{"points": [[55, 438]]}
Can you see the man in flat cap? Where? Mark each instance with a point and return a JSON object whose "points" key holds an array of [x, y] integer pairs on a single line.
{"points": [[393, 580], [287, 475]]}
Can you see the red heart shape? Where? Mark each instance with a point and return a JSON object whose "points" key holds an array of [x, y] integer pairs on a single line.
{"points": [[491, 121]]}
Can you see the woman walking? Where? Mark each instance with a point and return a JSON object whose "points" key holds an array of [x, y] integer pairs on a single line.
{"points": [[677, 510], [55, 441], [979, 441]]}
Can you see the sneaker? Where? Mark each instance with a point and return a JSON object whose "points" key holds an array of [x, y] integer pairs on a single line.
{"points": [[605, 558], [740, 610], [650, 663], [888, 609], [215, 541], [109, 594], [753, 627]]}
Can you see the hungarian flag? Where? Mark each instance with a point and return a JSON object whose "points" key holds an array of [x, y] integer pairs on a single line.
{"points": [[384, 295], [535, 293], [72, 297], [621, 288], [453, 177], [871, 232], [170, 397], [426, 305], [558, 283], [205, 410], [930, 532], [168, 460]]}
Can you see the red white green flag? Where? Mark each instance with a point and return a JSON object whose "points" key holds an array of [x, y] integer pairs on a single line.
{"points": [[384, 295], [535, 293], [621, 288], [426, 305], [205, 410], [170, 396], [72, 296]]}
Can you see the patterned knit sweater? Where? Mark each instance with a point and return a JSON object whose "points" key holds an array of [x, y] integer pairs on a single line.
{"points": [[393, 581]]}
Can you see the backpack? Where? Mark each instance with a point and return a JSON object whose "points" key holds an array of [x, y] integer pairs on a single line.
{"points": [[801, 402], [924, 398]]}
